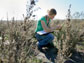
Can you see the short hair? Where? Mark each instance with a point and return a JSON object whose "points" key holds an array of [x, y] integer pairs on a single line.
{"points": [[52, 11]]}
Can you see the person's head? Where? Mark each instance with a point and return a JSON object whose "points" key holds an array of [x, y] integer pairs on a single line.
{"points": [[52, 13]]}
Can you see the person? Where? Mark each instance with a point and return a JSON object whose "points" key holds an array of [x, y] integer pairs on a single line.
{"points": [[44, 25]]}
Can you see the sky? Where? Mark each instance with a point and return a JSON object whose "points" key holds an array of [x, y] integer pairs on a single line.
{"points": [[15, 8]]}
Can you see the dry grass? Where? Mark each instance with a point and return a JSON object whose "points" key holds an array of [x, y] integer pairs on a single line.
{"points": [[18, 45]]}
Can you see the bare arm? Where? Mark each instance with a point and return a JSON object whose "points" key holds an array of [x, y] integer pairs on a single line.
{"points": [[45, 27], [58, 27]]}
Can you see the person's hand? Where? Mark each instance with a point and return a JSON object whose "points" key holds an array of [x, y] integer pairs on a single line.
{"points": [[58, 27]]}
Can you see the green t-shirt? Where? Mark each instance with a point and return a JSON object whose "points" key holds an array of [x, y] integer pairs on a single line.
{"points": [[39, 26]]}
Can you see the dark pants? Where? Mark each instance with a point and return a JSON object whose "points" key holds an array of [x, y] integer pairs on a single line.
{"points": [[44, 39]]}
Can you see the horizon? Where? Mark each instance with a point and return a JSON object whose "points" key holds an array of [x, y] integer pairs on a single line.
{"points": [[16, 8], [37, 20]]}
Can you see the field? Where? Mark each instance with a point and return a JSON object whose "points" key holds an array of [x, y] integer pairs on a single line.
{"points": [[18, 44]]}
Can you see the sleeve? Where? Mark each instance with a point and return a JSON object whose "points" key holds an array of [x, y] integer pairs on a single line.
{"points": [[43, 18]]}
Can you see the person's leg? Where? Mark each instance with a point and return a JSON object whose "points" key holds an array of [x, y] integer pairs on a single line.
{"points": [[44, 39], [47, 39], [50, 45], [39, 38]]}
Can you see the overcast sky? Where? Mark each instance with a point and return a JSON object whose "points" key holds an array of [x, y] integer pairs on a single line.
{"points": [[15, 8]]}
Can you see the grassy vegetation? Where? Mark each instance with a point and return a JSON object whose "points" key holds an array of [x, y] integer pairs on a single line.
{"points": [[19, 46]]}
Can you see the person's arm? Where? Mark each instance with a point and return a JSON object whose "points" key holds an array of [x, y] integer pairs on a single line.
{"points": [[45, 27], [58, 27]]}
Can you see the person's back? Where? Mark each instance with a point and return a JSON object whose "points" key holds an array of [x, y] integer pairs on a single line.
{"points": [[39, 25]]}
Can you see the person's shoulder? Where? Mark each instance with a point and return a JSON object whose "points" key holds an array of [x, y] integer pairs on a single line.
{"points": [[43, 17]]}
